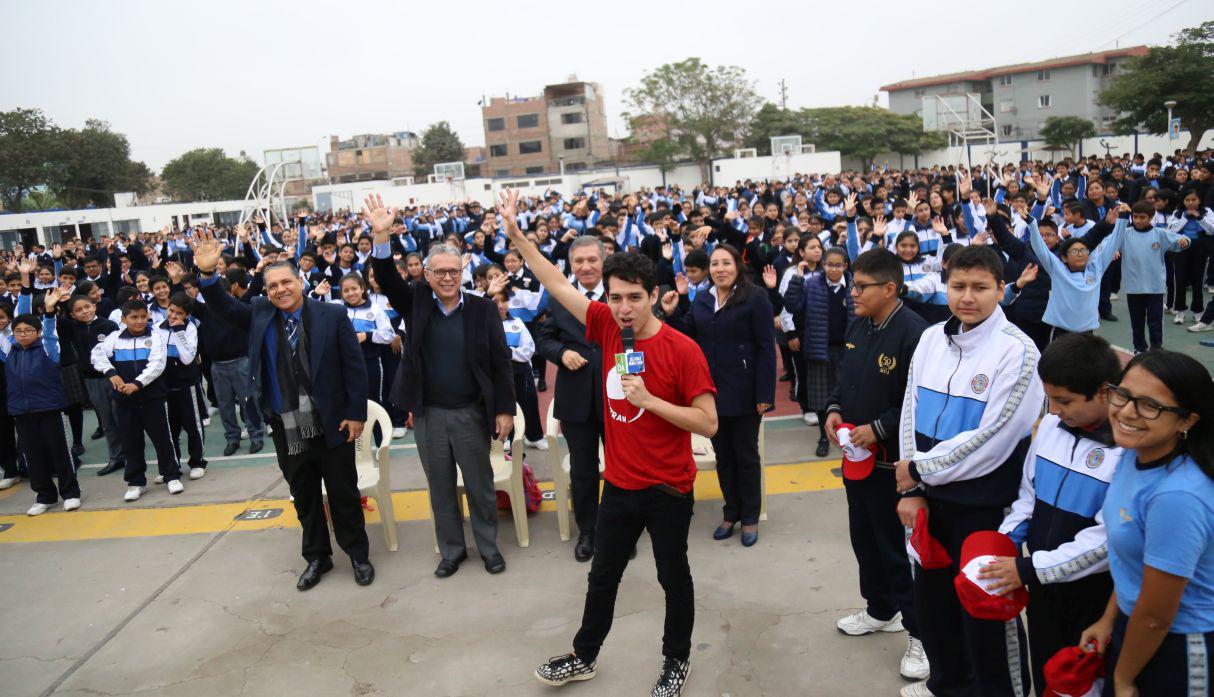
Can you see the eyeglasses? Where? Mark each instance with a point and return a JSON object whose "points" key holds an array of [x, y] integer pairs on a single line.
{"points": [[1078, 251], [859, 288], [445, 273], [25, 330], [1146, 407]]}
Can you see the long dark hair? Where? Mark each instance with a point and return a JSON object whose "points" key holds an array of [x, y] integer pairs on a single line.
{"points": [[742, 285], [1193, 388]]}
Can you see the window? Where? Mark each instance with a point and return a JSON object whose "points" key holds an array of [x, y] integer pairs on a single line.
{"points": [[1005, 80], [1007, 129], [501, 173], [920, 93], [1006, 105], [575, 143], [528, 120], [575, 166], [1043, 75], [575, 117], [495, 124], [534, 170], [1044, 101], [530, 147], [497, 151], [1103, 70]]}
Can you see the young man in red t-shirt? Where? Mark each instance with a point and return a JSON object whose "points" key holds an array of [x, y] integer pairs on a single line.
{"points": [[648, 420]]}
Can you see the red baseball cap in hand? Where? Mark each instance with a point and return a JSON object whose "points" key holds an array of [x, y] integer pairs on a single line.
{"points": [[927, 549], [978, 551], [857, 462], [1074, 672]]}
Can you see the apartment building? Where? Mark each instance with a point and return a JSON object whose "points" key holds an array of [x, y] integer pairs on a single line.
{"points": [[371, 156], [1024, 95], [565, 125]]}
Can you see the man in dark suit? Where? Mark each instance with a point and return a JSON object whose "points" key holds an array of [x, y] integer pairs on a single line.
{"points": [[579, 388], [309, 370], [456, 379]]}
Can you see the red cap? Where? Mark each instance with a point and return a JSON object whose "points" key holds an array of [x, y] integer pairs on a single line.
{"points": [[858, 462], [978, 550], [1074, 672], [932, 554]]}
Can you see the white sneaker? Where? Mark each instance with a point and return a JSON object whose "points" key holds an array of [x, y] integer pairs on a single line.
{"points": [[914, 661], [1112, 296], [198, 472], [39, 508], [918, 689], [860, 623], [1180, 317], [133, 493], [810, 419], [541, 444], [158, 479], [1199, 327], [206, 421], [176, 487], [1170, 310], [9, 482], [244, 434], [71, 504], [399, 432], [269, 430]]}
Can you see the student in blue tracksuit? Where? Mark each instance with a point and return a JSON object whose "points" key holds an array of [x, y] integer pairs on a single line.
{"points": [[374, 332], [1066, 474], [972, 398], [1142, 272], [182, 375], [36, 401], [133, 360], [1157, 633], [1074, 278]]}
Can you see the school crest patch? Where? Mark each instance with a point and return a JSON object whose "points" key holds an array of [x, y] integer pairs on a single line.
{"points": [[1095, 458], [980, 383], [147, 343], [1155, 246], [886, 363]]}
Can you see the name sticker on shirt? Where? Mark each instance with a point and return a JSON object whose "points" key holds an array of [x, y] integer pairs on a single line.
{"points": [[630, 363]]}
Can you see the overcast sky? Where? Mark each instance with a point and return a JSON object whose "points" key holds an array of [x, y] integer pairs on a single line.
{"points": [[256, 74]]}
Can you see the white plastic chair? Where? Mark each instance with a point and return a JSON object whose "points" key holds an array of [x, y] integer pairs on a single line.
{"points": [[558, 464], [706, 459], [507, 477], [374, 475]]}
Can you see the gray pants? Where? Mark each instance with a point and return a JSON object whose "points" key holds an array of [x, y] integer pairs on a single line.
{"points": [[233, 387], [446, 437], [99, 390]]}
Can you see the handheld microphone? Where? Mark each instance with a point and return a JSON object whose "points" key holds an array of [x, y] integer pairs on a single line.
{"points": [[631, 361], [628, 337]]}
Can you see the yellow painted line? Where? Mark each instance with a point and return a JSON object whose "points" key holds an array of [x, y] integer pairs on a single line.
{"points": [[85, 524]]}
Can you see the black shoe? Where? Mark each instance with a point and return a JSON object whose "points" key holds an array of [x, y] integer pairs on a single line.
{"points": [[97, 434], [1109, 317], [542, 385], [563, 669], [77, 449], [256, 447], [786, 377], [230, 449], [110, 468], [364, 573], [584, 549], [311, 575], [674, 676], [495, 564], [448, 567], [823, 448]]}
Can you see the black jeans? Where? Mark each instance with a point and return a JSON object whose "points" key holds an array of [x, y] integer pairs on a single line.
{"points": [[738, 468], [879, 543], [1146, 309], [623, 514]]}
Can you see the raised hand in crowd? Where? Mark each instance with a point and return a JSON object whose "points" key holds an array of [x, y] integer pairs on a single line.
{"points": [[769, 277], [207, 251], [849, 205]]}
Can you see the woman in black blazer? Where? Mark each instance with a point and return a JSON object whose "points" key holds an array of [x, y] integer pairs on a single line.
{"points": [[732, 324]]}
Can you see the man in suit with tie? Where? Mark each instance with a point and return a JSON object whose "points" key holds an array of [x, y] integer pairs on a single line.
{"points": [[308, 368], [456, 379], [579, 388]]}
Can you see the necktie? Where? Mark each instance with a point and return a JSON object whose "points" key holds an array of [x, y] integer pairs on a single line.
{"points": [[292, 330], [590, 295]]}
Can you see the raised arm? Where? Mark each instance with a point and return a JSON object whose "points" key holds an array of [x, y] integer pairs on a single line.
{"points": [[551, 277], [399, 293]]}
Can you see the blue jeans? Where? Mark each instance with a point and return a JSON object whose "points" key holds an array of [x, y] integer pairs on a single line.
{"points": [[233, 387]]}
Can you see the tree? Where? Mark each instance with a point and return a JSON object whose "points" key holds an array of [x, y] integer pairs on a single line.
{"points": [[865, 132], [1183, 73], [704, 109], [27, 154], [40, 200], [97, 163], [207, 174], [1067, 131], [439, 144]]}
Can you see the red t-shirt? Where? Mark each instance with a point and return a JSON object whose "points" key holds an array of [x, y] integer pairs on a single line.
{"points": [[644, 449]]}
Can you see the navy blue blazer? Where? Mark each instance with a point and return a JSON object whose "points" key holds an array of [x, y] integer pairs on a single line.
{"points": [[335, 361], [739, 343]]}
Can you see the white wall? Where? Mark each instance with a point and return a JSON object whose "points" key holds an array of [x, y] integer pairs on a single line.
{"points": [[150, 218], [728, 171]]}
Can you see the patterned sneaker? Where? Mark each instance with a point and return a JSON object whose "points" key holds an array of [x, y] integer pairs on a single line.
{"points": [[562, 669], [674, 676]]}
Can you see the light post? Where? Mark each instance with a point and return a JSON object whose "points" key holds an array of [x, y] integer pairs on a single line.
{"points": [[1170, 104]]}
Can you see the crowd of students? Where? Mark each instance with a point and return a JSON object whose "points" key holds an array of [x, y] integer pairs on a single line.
{"points": [[921, 319]]}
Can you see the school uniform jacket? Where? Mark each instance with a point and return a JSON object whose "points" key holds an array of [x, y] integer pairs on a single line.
{"points": [[970, 405], [1058, 513], [182, 369], [138, 359]]}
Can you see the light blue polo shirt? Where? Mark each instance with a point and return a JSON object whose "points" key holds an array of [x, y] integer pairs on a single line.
{"points": [[1163, 517]]}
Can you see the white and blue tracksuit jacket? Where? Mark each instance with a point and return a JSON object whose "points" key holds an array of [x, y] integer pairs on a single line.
{"points": [[522, 346]]}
